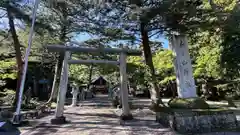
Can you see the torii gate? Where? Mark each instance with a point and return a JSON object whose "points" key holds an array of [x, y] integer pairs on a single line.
{"points": [[123, 52]]}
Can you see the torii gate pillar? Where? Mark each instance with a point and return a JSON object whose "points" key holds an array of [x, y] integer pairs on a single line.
{"points": [[126, 114], [59, 118]]}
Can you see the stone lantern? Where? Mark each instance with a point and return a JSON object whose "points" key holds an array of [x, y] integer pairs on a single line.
{"points": [[75, 92]]}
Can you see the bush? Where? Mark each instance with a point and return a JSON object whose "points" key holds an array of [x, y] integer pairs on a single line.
{"points": [[8, 96], [188, 103], [32, 104]]}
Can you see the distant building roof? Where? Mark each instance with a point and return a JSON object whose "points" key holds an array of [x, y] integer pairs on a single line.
{"points": [[99, 81]]}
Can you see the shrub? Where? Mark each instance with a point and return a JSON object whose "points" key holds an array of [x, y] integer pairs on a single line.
{"points": [[8, 96]]}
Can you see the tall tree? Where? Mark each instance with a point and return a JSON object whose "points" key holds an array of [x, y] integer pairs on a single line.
{"points": [[15, 11], [148, 59], [71, 18], [17, 49]]}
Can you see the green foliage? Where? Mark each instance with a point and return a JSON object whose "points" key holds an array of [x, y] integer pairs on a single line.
{"points": [[206, 52], [136, 69], [7, 97], [32, 104], [79, 73], [7, 69], [163, 62], [137, 60], [167, 79]]}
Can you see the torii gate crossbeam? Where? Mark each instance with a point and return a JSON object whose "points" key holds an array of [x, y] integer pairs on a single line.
{"points": [[74, 49]]}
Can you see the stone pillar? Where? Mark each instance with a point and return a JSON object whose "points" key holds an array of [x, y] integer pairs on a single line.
{"points": [[74, 92], [59, 118], [182, 63], [126, 114], [110, 91]]}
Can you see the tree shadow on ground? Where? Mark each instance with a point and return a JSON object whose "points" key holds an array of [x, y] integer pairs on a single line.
{"points": [[115, 130], [100, 105], [136, 122], [94, 114], [40, 130], [97, 127]]}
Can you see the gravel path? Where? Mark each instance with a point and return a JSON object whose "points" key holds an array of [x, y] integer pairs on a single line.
{"points": [[96, 117]]}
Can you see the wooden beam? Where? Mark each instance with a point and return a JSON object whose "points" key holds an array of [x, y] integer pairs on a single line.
{"points": [[62, 48]]}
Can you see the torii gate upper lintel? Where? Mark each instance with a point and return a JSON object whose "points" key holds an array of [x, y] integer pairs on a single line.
{"points": [[62, 48]]}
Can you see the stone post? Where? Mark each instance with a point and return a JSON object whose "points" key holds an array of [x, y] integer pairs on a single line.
{"points": [[110, 91], [74, 92], [59, 118], [126, 114], [182, 63]]}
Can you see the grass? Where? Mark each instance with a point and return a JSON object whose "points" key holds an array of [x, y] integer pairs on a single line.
{"points": [[214, 104], [188, 103], [193, 106], [185, 111]]}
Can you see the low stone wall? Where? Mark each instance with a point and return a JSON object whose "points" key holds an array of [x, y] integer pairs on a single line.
{"points": [[198, 121]]}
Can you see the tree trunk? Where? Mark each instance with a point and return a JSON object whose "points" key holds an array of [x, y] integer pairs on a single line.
{"points": [[57, 74], [53, 84], [90, 76], [17, 49], [56, 80], [35, 87], [155, 94]]}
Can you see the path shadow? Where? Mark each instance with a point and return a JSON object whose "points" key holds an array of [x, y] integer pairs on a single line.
{"points": [[40, 130], [113, 130], [78, 129], [99, 105], [136, 122], [94, 114]]}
